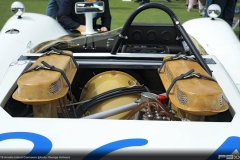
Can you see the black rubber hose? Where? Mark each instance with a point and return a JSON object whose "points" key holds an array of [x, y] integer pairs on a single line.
{"points": [[107, 95], [80, 111], [104, 96], [95, 101]]}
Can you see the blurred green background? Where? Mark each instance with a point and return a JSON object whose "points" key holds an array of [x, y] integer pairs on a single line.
{"points": [[120, 10]]}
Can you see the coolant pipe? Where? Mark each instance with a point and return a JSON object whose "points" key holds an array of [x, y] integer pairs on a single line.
{"points": [[111, 112]]}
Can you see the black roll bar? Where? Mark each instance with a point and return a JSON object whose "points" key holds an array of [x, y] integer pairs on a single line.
{"points": [[176, 23]]}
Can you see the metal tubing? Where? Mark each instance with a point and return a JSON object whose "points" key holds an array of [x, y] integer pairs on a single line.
{"points": [[194, 50], [111, 112], [132, 17], [176, 23]]}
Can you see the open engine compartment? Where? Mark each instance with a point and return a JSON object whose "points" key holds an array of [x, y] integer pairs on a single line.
{"points": [[96, 88], [62, 84]]}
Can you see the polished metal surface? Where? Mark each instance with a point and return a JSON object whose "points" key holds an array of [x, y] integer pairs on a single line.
{"points": [[17, 8], [214, 11]]}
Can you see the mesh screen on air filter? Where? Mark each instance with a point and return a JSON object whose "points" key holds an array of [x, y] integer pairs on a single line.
{"points": [[194, 95], [44, 86]]}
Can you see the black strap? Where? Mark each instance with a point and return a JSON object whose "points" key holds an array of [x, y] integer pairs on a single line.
{"points": [[176, 57], [47, 66], [189, 74], [56, 51]]}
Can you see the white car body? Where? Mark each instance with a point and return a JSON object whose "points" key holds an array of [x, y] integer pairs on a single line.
{"points": [[83, 136], [217, 39], [30, 24]]}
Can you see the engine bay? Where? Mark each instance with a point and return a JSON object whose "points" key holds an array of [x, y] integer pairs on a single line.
{"points": [[138, 72], [57, 86]]}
